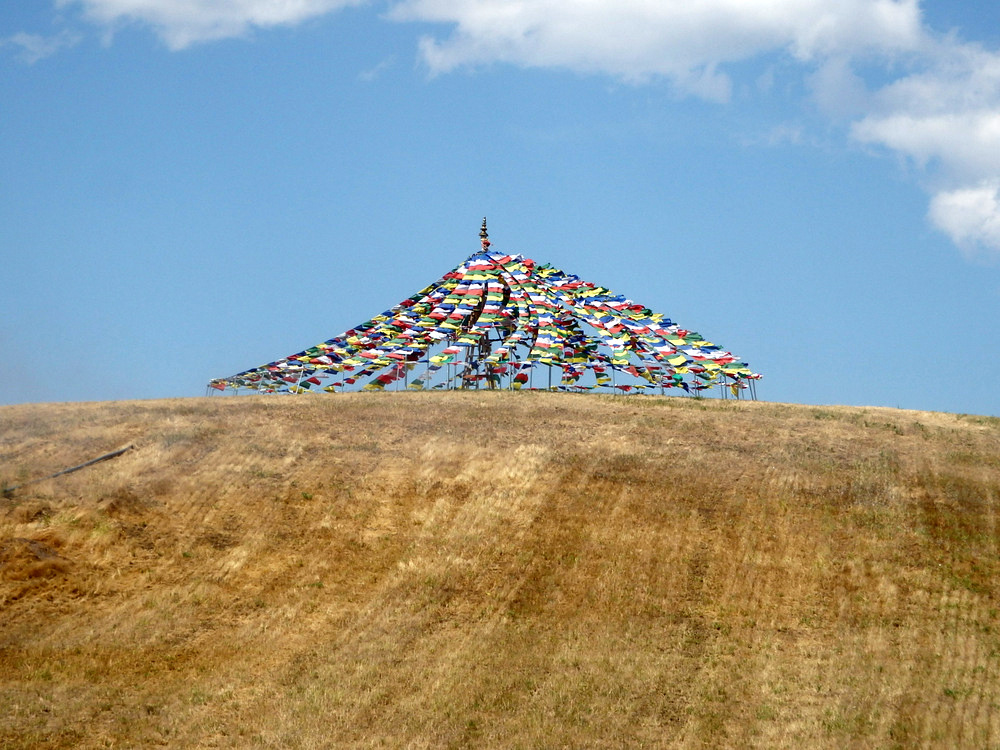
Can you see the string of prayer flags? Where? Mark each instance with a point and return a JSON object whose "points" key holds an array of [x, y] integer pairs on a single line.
{"points": [[504, 321]]}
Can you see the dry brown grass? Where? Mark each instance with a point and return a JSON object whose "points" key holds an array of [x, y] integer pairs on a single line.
{"points": [[496, 569]]}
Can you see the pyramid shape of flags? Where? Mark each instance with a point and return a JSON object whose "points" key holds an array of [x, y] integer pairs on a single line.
{"points": [[501, 321]]}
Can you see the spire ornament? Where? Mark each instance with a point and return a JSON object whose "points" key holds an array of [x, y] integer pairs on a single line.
{"points": [[484, 237]]}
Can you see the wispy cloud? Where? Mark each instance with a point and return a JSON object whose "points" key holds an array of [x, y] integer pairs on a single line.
{"points": [[375, 71], [784, 133], [34, 47], [181, 23]]}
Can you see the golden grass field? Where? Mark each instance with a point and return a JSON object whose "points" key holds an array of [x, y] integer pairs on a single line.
{"points": [[479, 569]]}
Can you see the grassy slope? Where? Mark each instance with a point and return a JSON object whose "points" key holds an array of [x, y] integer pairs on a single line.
{"points": [[521, 570]]}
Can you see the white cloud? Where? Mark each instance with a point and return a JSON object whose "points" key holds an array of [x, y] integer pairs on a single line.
{"points": [[962, 143], [684, 40], [34, 47], [970, 216], [181, 23], [947, 116], [946, 120]]}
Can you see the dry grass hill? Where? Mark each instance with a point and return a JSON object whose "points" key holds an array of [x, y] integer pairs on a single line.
{"points": [[524, 570]]}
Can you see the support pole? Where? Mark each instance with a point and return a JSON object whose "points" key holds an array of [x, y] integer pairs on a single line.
{"points": [[70, 470]]}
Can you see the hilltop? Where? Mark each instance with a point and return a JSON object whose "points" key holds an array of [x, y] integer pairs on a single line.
{"points": [[498, 569]]}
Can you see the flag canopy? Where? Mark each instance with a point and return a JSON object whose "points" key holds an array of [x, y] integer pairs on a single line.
{"points": [[504, 321]]}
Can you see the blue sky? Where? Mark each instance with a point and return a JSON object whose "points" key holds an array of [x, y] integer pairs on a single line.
{"points": [[188, 190]]}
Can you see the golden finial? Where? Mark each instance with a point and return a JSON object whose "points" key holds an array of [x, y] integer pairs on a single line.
{"points": [[484, 236]]}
